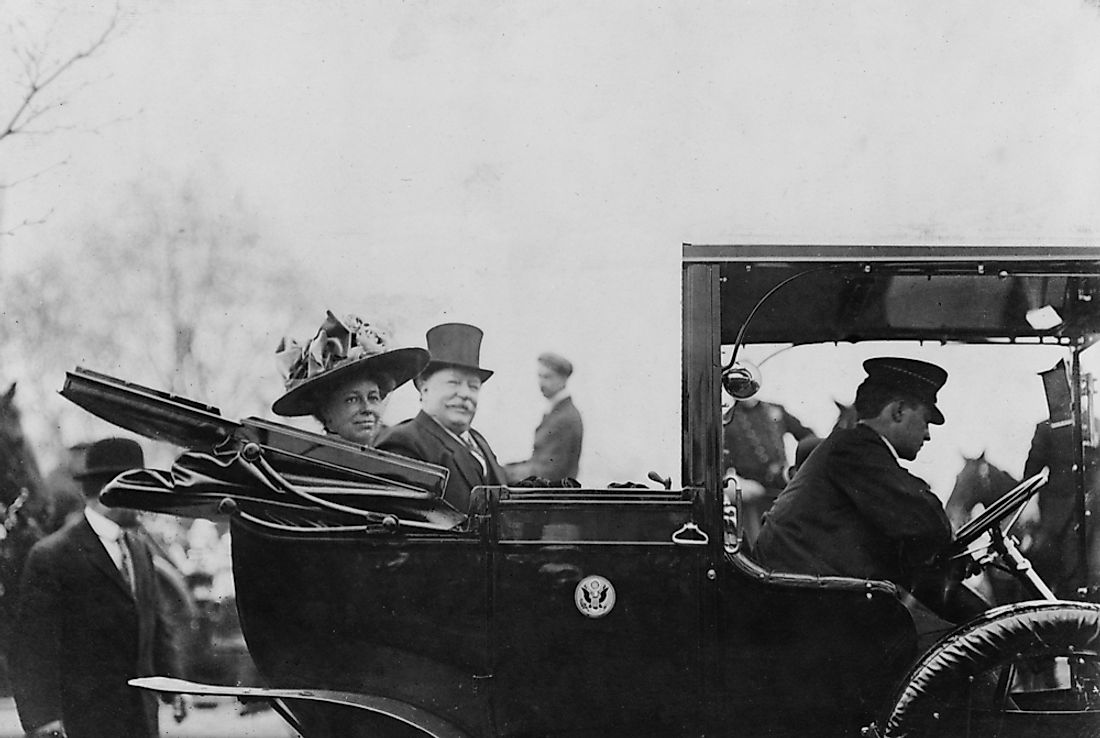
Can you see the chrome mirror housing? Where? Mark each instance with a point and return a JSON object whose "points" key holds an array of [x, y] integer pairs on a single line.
{"points": [[742, 380]]}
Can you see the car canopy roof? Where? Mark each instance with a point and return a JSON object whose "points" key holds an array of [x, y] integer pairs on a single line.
{"points": [[813, 294]]}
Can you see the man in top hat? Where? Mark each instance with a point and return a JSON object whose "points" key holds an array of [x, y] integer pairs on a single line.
{"points": [[90, 618], [852, 510], [440, 433], [556, 452]]}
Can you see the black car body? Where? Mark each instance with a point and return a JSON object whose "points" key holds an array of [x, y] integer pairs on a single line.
{"points": [[373, 608]]}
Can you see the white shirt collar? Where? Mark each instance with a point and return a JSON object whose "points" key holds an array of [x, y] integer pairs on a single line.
{"points": [[893, 451], [553, 401], [103, 526], [463, 438]]}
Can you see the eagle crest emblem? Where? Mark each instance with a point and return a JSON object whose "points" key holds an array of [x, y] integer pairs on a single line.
{"points": [[595, 596]]}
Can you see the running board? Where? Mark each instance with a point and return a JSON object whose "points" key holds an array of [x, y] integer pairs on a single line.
{"points": [[429, 724]]}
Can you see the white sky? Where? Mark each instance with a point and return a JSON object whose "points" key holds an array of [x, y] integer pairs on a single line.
{"points": [[533, 167]]}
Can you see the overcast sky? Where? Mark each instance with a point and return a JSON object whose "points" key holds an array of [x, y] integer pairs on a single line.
{"points": [[533, 167]]}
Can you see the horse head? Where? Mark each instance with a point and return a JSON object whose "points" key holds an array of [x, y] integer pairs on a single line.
{"points": [[11, 429], [979, 482], [18, 466], [846, 416]]}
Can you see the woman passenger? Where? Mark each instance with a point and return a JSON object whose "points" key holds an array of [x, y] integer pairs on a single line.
{"points": [[344, 376]]}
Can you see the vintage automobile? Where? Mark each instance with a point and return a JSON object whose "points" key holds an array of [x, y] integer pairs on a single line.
{"points": [[371, 607]]}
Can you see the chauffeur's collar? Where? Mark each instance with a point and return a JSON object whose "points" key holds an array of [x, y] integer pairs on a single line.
{"points": [[893, 451]]}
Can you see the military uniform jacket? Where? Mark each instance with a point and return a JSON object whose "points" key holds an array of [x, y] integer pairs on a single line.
{"points": [[423, 438], [81, 635], [853, 511], [752, 441], [557, 450]]}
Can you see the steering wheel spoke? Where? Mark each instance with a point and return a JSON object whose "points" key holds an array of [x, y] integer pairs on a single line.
{"points": [[1008, 506], [995, 523]]}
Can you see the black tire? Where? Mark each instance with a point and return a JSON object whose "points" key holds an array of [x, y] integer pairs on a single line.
{"points": [[956, 689]]}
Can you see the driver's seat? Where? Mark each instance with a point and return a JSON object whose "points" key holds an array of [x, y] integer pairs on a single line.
{"points": [[834, 647]]}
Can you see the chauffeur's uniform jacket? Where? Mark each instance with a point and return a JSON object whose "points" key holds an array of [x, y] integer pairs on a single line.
{"points": [[81, 635], [852, 510], [423, 438]]}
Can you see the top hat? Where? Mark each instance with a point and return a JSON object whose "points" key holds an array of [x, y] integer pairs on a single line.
{"points": [[917, 378], [455, 345], [110, 457], [342, 350]]}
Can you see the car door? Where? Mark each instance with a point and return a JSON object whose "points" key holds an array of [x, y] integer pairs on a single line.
{"points": [[596, 612]]}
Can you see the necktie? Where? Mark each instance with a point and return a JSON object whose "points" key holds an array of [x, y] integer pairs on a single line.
{"points": [[480, 457], [126, 567]]}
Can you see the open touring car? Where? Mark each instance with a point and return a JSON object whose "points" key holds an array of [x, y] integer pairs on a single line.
{"points": [[371, 607]]}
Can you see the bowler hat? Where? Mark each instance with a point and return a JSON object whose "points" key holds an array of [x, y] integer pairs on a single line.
{"points": [[111, 457], [916, 378], [455, 345], [342, 349]]}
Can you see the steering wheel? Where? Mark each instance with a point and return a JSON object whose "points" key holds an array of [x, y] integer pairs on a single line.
{"points": [[1010, 504]]}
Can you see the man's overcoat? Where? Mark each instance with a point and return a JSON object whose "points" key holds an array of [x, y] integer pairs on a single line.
{"points": [[557, 449], [423, 438], [81, 635]]}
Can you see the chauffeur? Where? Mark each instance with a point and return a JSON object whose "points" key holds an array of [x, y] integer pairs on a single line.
{"points": [[441, 434], [852, 510]]}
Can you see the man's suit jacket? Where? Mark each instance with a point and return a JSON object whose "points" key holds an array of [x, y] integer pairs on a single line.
{"points": [[423, 438], [557, 450], [852, 510], [81, 635]]}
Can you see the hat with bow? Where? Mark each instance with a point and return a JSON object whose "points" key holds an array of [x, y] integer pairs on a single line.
{"points": [[342, 349]]}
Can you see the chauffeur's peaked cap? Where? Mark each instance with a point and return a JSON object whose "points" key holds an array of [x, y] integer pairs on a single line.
{"points": [[918, 378]]}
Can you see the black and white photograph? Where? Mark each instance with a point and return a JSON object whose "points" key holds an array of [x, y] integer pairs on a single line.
{"points": [[410, 369]]}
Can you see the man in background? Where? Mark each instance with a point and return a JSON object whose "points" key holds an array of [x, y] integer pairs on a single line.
{"points": [[754, 451], [557, 449], [90, 618]]}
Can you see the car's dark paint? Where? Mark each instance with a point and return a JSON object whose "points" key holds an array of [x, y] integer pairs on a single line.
{"points": [[475, 617]]}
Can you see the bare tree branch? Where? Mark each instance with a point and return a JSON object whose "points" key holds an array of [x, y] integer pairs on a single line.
{"points": [[39, 80], [26, 223], [35, 175]]}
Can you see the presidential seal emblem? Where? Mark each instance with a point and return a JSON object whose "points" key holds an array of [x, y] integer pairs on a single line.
{"points": [[595, 596]]}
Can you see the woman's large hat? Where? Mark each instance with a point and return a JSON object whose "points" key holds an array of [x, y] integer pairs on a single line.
{"points": [[456, 345], [341, 350]]}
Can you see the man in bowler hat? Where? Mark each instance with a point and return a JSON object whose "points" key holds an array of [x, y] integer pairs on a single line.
{"points": [[440, 433], [90, 618], [852, 510]]}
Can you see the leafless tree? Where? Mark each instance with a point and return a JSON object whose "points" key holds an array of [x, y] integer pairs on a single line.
{"points": [[174, 290], [44, 83]]}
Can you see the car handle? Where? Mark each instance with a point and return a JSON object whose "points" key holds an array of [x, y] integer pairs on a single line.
{"points": [[690, 534]]}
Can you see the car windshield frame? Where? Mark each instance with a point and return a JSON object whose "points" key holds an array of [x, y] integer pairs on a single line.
{"points": [[742, 294]]}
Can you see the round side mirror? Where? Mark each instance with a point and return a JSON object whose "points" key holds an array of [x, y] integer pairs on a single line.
{"points": [[742, 380]]}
